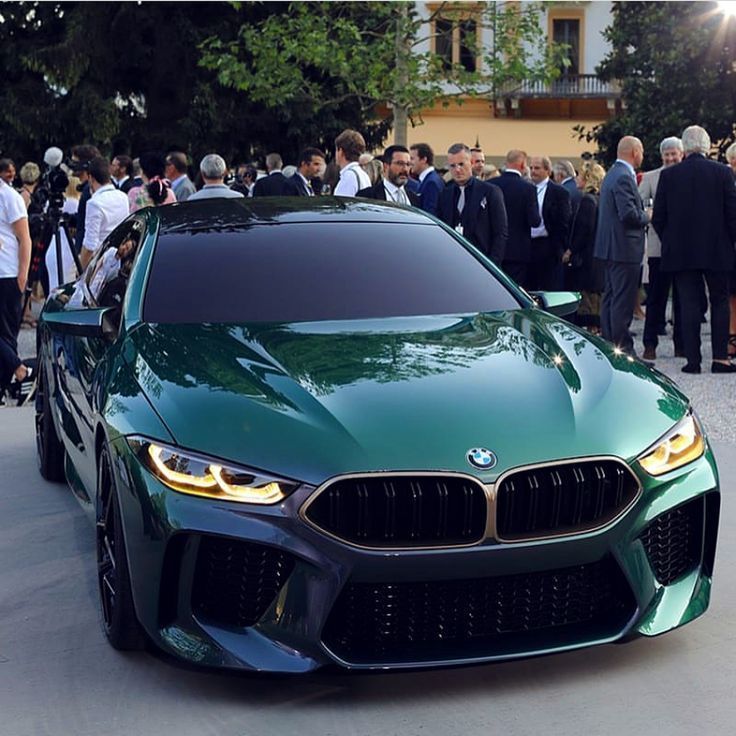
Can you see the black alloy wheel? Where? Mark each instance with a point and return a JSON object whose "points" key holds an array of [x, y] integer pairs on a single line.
{"points": [[49, 448], [119, 620]]}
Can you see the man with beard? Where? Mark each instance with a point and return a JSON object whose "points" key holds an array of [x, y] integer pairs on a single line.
{"points": [[392, 187]]}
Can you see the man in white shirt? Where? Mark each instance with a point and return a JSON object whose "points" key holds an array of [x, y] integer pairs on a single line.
{"points": [[348, 147], [106, 209], [15, 258], [213, 169]]}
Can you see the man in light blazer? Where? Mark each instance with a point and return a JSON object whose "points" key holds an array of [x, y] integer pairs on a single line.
{"points": [[659, 281], [619, 242]]}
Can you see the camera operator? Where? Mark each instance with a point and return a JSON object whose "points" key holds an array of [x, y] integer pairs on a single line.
{"points": [[106, 209], [81, 156], [15, 257]]}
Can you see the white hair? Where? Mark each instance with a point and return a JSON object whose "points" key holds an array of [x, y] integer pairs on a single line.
{"points": [[668, 143], [213, 166], [695, 140], [731, 152]]}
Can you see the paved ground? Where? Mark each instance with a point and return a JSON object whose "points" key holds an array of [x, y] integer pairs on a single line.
{"points": [[58, 677]]}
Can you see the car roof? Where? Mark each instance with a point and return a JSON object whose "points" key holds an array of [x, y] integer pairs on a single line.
{"points": [[234, 214]]}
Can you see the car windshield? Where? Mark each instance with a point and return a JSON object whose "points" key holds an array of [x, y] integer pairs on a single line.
{"points": [[314, 271]]}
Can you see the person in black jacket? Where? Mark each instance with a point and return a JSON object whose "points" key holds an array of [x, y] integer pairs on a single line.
{"points": [[522, 212], [583, 273], [392, 186], [311, 164], [695, 217], [275, 184], [550, 239], [472, 207]]}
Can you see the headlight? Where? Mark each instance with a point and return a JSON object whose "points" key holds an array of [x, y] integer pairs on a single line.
{"points": [[198, 475], [679, 447]]}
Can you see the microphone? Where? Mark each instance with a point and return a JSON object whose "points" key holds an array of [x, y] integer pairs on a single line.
{"points": [[53, 157]]}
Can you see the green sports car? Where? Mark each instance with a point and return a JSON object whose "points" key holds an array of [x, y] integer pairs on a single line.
{"points": [[323, 431]]}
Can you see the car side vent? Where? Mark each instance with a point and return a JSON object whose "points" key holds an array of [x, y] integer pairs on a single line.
{"points": [[235, 582], [674, 540]]}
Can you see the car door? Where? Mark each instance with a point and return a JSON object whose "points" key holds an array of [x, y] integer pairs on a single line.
{"points": [[84, 361]]}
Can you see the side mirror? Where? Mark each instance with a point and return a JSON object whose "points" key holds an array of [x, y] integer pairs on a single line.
{"points": [[94, 323], [560, 303]]}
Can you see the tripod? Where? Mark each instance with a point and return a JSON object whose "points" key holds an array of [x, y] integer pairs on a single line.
{"points": [[56, 225]]}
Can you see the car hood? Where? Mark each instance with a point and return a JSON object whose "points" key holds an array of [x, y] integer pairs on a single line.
{"points": [[314, 400]]}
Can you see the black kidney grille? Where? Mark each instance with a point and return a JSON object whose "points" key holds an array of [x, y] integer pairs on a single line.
{"points": [[674, 541], [402, 511], [560, 499], [382, 622], [235, 582]]}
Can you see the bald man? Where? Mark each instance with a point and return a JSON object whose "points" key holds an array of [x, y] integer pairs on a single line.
{"points": [[619, 242]]}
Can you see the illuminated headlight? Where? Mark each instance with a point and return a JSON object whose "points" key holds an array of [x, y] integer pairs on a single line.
{"points": [[683, 444], [198, 475]]}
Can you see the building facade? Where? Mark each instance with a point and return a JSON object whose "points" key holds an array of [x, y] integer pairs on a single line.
{"points": [[533, 116]]}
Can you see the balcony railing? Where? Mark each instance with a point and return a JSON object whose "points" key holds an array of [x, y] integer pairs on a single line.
{"points": [[568, 85]]}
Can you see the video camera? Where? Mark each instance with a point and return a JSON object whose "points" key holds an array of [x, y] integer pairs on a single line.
{"points": [[53, 183]]}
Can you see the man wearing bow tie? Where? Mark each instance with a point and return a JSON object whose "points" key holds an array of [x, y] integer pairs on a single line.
{"points": [[392, 187], [472, 207]]}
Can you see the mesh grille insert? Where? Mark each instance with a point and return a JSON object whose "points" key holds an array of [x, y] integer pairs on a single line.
{"points": [[674, 540], [409, 621], [235, 582]]}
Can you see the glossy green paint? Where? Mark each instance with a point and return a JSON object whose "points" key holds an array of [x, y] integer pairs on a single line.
{"points": [[314, 400]]}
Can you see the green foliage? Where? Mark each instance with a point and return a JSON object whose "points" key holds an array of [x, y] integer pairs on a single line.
{"points": [[676, 66], [321, 55]]}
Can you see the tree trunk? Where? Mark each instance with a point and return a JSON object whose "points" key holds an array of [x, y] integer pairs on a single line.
{"points": [[403, 49]]}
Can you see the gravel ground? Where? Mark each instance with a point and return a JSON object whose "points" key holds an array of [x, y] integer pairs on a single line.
{"points": [[713, 396]]}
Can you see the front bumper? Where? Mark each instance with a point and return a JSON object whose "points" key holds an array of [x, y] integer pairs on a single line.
{"points": [[232, 585]]}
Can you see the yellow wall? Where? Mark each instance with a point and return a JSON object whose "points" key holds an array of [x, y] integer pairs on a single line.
{"points": [[553, 138]]}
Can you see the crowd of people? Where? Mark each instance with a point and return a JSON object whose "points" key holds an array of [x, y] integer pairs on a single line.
{"points": [[547, 226]]}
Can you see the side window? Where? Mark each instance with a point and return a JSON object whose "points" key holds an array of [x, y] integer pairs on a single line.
{"points": [[107, 274]]}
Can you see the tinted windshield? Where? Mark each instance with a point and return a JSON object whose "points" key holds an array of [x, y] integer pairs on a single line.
{"points": [[313, 271]]}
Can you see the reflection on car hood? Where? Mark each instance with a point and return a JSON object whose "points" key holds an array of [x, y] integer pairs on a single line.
{"points": [[313, 400]]}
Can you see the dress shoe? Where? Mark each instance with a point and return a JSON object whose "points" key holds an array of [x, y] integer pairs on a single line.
{"points": [[650, 353], [691, 368], [722, 368]]}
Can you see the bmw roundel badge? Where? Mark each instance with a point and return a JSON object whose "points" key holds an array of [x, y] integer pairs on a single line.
{"points": [[481, 458]]}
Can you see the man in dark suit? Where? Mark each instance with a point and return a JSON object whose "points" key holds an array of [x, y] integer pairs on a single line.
{"points": [[563, 172], [275, 184], [695, 217], [392, 187], [551, 237], [522, 211], [430, 182], [311, 165], [619, 241], [473, 207]]}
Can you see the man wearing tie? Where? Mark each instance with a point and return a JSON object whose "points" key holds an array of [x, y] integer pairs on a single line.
{"points": [[392, 187], [311, 164], [474, 208]]}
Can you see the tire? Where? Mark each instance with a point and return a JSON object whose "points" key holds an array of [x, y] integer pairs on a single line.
{"points": [[49, 448], [119, 620]]}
